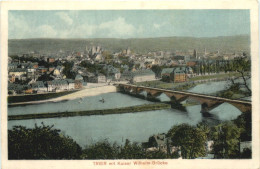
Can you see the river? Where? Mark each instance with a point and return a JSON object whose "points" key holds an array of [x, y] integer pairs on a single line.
{"points": [[137, 127], [111, 100]]}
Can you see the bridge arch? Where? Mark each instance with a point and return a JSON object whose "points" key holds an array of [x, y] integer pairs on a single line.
{"points": [[142, 93], [163, 97], [233, 111], [242, 107]]}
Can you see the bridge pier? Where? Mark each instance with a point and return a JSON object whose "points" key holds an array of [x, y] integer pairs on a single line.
{"points": [[175, 104], [205, 110], [151, 97]]}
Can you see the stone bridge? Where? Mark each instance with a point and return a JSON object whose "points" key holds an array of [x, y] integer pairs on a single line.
{"points": [[207, 102]]}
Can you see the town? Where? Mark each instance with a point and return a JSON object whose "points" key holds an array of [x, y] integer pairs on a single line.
{"points": [[38, 72]]}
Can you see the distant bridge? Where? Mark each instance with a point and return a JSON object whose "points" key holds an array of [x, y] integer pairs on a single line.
{"points": [[207, 102]]}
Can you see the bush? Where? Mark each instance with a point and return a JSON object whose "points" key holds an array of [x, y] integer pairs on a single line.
{"points": [[42, 142], [101, 150]]}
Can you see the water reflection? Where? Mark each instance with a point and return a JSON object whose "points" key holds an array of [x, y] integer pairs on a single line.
{"points": [[209, 88], [134, 126]]}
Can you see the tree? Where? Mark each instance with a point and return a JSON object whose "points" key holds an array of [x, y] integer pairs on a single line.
{"points": [[106, 150], [158, 154], [157, 70], [137, 66], [203, 127], [41, 142], [244, 122], [242, 65], [67, 71], [247, 153], [101, 150], [131, 151], [191, 140], [45, 77], [226, 140]]}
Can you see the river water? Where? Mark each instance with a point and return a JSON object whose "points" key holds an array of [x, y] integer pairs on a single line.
{"points": [[137, 127], [111, 100]]}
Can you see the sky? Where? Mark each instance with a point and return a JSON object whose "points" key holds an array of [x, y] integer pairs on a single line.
{"points": [[127, 23]]}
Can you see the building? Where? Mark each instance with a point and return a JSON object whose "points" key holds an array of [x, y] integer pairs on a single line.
{"points": [[179, 57], [98, 78], [78, 84], [159, 142], [189, 71], [31, 70], [35, 65], [87, 76], [11, 78], [101, 78], [51, 69], [18, 73], [57, 71], [28, 89], [191, 63], [39, 87], [177, 74], [245, 145], [57, 85], [13, 65], [99, 57], [112, 72], [50, 59], [166, 73], [126, 75], [71, 84], [42, 69]]}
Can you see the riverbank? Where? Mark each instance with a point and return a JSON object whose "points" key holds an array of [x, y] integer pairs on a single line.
{"points": [[21, 99], [132, 109], [93, 91]]}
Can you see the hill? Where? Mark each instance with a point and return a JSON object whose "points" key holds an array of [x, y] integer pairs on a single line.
{"points": [[225, 43]]}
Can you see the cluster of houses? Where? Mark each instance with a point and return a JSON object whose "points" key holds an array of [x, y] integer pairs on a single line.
{"points": [[119, 66], [23, 78], [46, 86]]}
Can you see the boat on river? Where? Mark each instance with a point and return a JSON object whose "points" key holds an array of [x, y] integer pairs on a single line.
{"points": [[102, 100]]}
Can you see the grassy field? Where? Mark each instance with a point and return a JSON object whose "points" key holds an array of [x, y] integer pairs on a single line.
{"points": [[183, 85], [132, 109], [156, 84], [165, 85], [206, 77]]}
